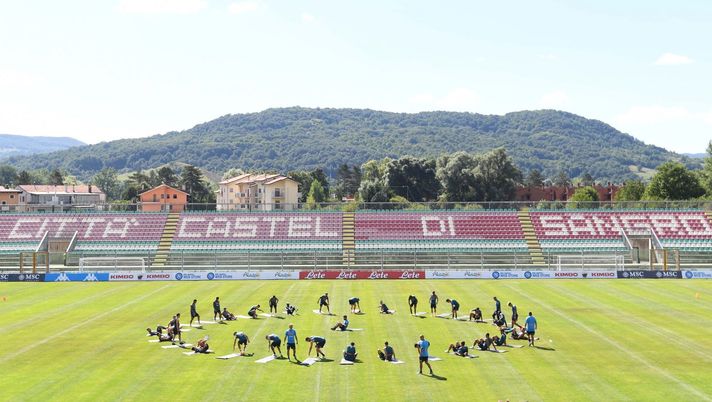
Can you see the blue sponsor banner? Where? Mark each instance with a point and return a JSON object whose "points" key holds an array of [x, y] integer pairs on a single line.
{"points": [[77, 277], [698, 274], [22, 277]]}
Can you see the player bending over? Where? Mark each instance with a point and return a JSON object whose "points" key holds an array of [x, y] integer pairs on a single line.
{"points": [[228, 316], [273, 304], [273, 342], [455, 307], [324, 302], [350, 352], [241, 340], [194, 312], [476, 315], [413, 304], [253, 311], [318, 342], [355, 304], [342, 326], [387, 354]]}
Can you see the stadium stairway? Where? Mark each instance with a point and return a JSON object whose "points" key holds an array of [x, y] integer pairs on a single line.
{"points": [[530, 237], [164, 245], [348, 240]]}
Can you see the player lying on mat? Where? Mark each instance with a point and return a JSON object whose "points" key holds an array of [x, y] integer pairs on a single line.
{"points": [[350, 352], [174, 328], [158, 331], [459, 348], [241, 340], [228, 316], [202, 346], [498, 319], [387, 353], [343, 326], [318, 342]]}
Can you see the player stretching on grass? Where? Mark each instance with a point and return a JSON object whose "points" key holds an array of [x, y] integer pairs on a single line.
{"points": [[273, 304], [476, 314], [290, 310], [216, 309], [290, 336], [241, 340], [530, 325], [174, 328], [387, 354], [422, 346], [455, 307], [194, 313], [355, 304], [433, 303], [497, 305], [515, 315], [413, 304], [342, 326], [318, 342], [253, 311], [273, 341], [324, 301]]}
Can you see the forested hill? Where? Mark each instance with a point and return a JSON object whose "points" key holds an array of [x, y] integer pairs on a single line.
{"points": [[12, 145], [299, 138]]}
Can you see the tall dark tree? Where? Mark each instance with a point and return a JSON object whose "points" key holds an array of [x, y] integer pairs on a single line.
{"points": [[632, 190], [8, 175], [587, 179], [412, 178], [497, 175], [56, 178], [139, 181], [304, 180], [562, 179], [348, 180], [319, 175], [24, 177], [534, 178], [191, 180], [706, 173], [107, 180], [456, 173], [168, 176]]}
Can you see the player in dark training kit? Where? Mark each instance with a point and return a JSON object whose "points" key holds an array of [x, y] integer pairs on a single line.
{"points": [[194, 313], [355, 304], [273, 304], [290, 310], [433, 303], [515, 314], [216, 309], [413, 304], [273, 342], [318, 342], [455, 307], [324, 301], [253, 311], [241, 340]]}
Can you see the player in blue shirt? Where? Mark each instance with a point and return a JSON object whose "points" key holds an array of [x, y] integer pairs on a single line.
{"points": [[387, 354], [290, 336], [319, 342], [241, 340], [343, 326], [455, 307], [422, 347], [350, 352], [355, 304], [515, 314], [273, 341], [530, 325]]}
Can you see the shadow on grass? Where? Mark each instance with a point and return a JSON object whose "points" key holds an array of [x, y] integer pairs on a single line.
{"points": [[278, 317], [325, 360], [438, 377], [545, 348]]}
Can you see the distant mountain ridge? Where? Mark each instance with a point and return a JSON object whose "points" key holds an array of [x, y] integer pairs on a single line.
{"points": [[13, 145], [296, 138]]}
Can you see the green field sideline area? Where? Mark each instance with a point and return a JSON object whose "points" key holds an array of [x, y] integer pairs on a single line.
{"points": [[598, 340]]}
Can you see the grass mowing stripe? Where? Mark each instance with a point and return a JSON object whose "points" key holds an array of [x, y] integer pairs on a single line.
{"points": [[27, 348], [690, 389]]}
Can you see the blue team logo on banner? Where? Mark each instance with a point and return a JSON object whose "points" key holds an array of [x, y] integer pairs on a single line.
{"points": [[688, 275], [527, 274], [495, 275], [211, 276], [179, 276]]}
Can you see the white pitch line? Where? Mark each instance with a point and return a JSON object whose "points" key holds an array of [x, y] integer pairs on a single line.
{"points": [[635, 356], [75, 326]]}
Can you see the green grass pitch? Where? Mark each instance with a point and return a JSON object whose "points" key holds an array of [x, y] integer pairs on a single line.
{"points": [[611, 340]]}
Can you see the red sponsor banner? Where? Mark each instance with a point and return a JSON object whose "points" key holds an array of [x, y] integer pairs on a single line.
{"points": [[362, 274]]}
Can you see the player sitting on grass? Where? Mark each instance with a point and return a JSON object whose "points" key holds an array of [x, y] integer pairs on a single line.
{"points": [[290, 310], [518, 333], [485, 343], [476, 315], [459, 349], [498, 319], [273, 342], [502, 339], [413, 304], [174, 328], [157, 332], [202, 346], [241, 340], [253, 311], [318, 342], [165, 338], [324, 302], [455, 307], [350, 352], [387, 354], [342, 326], [384, 308], [355, 304], [228, 316]]}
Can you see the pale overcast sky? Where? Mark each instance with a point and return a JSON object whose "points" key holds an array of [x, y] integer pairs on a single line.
{"points": [[103, 70]]}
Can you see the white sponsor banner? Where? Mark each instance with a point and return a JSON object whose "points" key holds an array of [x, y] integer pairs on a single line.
{"points": [[599, 274], [141, 276], [697, 274], [202, 276], [252, 275], [452, 274], [521, 274]]}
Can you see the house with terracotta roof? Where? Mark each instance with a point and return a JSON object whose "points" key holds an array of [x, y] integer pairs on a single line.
{"points": [[38, 197], [163, 198], [264, 192], [9, 196]]}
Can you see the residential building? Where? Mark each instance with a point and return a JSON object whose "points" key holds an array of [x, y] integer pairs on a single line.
{"points": [[59, 197], [264, 192], [163, 198], [8, 198]]}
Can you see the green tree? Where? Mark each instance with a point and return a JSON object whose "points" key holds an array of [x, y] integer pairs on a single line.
{"points": [[673, 181], [316, 194], [412, 178], [562, 179], [587, 179], [108, 181], [304, 180], [583, 197], [24, 177], [706, 173], [456, 173], [497, 176], [139, 181], [56, 178], [167, 176], [373, 191], [232, 172], [632, 190], [191, 180], [8, 175], [319, 175], [534, 178], [348, 180]]}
